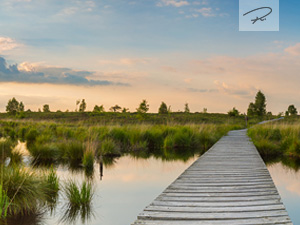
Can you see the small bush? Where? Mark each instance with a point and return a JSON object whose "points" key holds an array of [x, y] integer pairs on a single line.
{"points": [[109, 148]]}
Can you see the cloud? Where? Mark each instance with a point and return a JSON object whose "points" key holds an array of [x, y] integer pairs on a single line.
{"points": [[239, 91], [201, 90], [7, 44], [175, 3], [125, 61], [293, 50], [28, 73], [206, 12]]}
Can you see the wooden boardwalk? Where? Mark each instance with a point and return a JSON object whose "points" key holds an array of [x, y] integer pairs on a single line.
{"points": [[229, 184]]}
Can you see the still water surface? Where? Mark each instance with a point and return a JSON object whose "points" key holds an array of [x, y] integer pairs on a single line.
{"points": [[129, 184]]}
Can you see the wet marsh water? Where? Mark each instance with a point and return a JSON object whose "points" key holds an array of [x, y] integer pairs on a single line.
{"points": [[130, 183]]}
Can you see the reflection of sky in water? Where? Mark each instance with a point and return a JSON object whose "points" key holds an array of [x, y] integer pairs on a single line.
{"points": [[126, 188], [287, 182], [131, 184]]}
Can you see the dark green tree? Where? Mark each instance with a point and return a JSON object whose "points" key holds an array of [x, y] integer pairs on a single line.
{"points": [[82, 106], [99, 108], [125, 110], [186, 108], [259, 107], [46, 108], [21, 107], [115, 108], [143, 107], [13, 106], [291, 111], [233, 112], [251, 109], [163, 109], [260, 104]]}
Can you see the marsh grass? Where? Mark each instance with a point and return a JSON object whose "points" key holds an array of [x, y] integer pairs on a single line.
{"points": [[74, 151], [109, 148], [6, 147], [277, 139], [26, 189], [53, 182], [4, 203], [79, 201]]}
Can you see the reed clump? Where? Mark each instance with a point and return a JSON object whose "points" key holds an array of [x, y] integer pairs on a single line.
{"points": [[276, 139], [78, 196]]}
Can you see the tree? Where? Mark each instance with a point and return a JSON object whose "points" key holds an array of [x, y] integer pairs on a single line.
{"points": [[260, 104], [99, 108], [163, 109], [77, 103], [186, 108], [13, 106], [204, 110], [46, 108], [143, 107], [115, 108], [21, 107], [125, 110], [251, 109], [233, 112], [82, 106], [291, 111], [259, 107]]}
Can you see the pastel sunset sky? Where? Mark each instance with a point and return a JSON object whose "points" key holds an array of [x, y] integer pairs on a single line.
{"points": [[122, 51]]}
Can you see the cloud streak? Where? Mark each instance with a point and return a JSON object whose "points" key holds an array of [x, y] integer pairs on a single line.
{"points": [[7, 44], [175, 3], [27, 73], [293, 50]]}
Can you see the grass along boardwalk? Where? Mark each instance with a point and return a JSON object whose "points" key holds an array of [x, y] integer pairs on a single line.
{"points": [[229, 184]]}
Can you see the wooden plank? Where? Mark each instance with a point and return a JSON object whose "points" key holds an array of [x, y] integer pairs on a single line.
{"points": [[214, 209], [229, 184], [195, 215]]}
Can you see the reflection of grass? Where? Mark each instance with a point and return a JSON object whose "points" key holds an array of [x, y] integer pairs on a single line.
{"points": [[53, 188], [79, 201]]}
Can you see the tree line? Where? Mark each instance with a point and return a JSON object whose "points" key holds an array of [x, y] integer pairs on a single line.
{"points": [[256, 108], [14, 107]]}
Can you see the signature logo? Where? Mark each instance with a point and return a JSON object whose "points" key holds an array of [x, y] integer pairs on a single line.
{"points": [[263, 18]]}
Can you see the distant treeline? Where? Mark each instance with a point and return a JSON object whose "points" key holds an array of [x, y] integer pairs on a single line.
{"points": [[256, 109]]}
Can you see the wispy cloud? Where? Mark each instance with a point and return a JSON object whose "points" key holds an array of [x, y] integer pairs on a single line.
{"points": [[206, 12], [7, 43], [236, 90], [175, 3], [126, 61], [27, 73], [201, 90], [293, 50]]}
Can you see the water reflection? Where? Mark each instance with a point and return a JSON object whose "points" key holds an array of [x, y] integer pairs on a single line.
{"points": [[127, 184], [72, 214], [286, 176], [32, 219], [289, 162]]}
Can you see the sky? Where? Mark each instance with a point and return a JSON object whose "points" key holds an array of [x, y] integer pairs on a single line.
{"points": [[122, 51]]}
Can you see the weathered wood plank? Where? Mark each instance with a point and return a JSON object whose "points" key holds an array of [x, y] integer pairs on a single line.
{"points": [[229, 184]]}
